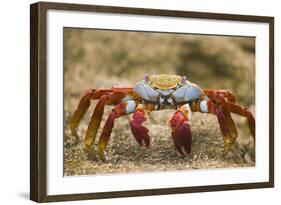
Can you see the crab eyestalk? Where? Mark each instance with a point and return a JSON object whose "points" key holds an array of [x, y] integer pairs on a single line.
{"points": [[183, 80], [146, 78]]}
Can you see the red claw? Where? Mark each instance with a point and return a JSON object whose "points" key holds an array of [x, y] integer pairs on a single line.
{"points": [[181, 133], [139, 131]]}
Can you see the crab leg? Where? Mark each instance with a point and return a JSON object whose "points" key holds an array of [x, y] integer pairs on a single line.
{"points": [[139, 131], [226, 93], [83, 106], [222, 112], [181, 131], [116, 112], [85, 101], [228, 138], [230, 124], [244, 112], [119, 110], [107, 98]]}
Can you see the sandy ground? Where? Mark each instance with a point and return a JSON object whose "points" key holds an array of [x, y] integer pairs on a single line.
{"points": [[125, 155]]}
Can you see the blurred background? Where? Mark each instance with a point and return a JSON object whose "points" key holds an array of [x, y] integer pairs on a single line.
{"points": [[102, 59], [123, 58]]}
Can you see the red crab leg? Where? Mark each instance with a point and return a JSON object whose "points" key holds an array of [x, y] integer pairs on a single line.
{"points": [[181, 131], [226, 93], [116, 112], [139, 131], [80, 111], [83, 106], [108, 98], [244, 112], [230, 123], [226, 123]]}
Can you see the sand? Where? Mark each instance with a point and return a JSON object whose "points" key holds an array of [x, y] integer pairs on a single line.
{"points": [[124, 155]]}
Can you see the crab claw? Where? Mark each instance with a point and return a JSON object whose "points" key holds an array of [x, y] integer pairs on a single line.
{"points": [[181, 133], [139, 131]]}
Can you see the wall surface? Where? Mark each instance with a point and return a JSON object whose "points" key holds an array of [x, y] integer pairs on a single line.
{"points": [[14, 105]]}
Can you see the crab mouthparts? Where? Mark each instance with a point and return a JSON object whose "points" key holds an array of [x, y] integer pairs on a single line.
{"points": [[166, 101]]}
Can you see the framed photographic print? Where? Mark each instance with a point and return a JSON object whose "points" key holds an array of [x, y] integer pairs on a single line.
{"points": [[134, 102]]}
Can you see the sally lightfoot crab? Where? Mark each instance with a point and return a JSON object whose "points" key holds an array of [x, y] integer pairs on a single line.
{"points": [[158, 92]]}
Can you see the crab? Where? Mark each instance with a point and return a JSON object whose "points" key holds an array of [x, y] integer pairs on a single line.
{"points": [[158, 92]]}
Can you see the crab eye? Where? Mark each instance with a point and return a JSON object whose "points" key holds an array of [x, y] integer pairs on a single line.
{"points": [[183, 79], [146, 78]]}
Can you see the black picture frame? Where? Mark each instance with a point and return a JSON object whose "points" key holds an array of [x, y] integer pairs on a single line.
{"points": [[38, 100]]}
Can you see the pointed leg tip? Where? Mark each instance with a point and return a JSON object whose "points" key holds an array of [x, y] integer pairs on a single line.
{"points": [[183, 150], [74, 133], [179, 150], [146, 141], [101, 155], [91, 153], [143, 141], [187, 150], [95, 155]]}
